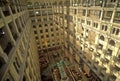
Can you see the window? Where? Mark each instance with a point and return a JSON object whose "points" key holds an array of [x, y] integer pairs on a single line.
{"points": [[42, 36], [52, 35], [51, 24], [39, 20], [84, 12], [7, 79], [112, 42], [41, 31], [104, 27], [100, 46], [36, 37], [57, 29], [95, 24], [46, 25], [117, 14], [113, 31], [38, 43], [75, 11], [40, 25], [1, 62], [34, 26], [46, 30], [48, 45], [109, 51], [109, 14], [82, 21], [113, 0], [88, 22], [70, 18], [32, 20], [51, 29], [44, 46], [117, 31], [35, 32], [47, 36], [50, 19], [102, 38], [45, 19]]}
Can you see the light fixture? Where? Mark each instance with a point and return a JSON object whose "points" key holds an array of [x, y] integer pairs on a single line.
{"points": [[36, 12]]}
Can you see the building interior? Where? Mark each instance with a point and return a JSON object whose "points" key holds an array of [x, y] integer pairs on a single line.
{"points": [[59, 40]]}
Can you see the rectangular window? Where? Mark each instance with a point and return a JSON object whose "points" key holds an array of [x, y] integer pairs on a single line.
{"points": [[75, 11], [51, 24], [35, 32], [46, 30], [36, 37], [40, 25], [32, 20], [45, 19], [51, 29], [34, 26], [52, 35], [42, 36], [39, 20], [47, 36], [41, 31], [46, 25], [84, 12]]}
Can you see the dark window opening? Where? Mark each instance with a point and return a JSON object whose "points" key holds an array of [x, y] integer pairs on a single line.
{"points": [[1, 62], [102, 38], [112, 42]]}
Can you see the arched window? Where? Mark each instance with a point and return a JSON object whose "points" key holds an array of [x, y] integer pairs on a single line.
{"points": [[112, 42], [102, 38], [36, 5]]}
